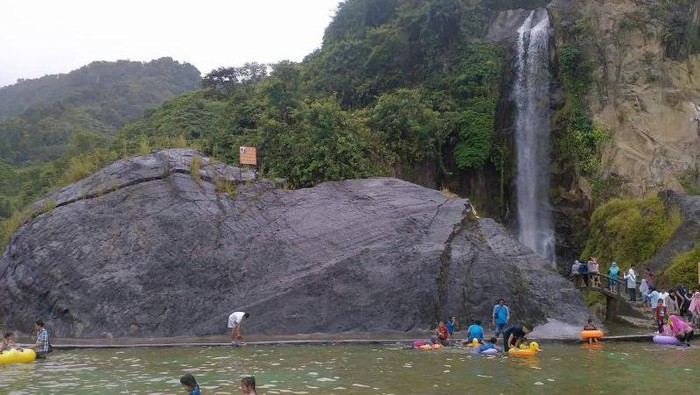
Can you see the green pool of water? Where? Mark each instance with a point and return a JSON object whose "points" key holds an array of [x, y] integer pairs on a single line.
{"points": [[616, 368]]}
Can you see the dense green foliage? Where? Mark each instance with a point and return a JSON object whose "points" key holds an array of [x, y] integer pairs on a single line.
{"points": [[629, 231], [684, 268], [396, 84], [67, 122], [124, 87], [581, 139], [96, 99]]}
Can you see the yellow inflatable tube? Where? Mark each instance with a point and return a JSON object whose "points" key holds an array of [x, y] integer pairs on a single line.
{"points": [[17, 356], [524, 351], [591, 334]]}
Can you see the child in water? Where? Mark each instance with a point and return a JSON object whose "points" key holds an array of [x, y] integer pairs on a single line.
{"points": [[489, 345], [590, 326], [248, 385], [190, 384], [8, 342]]}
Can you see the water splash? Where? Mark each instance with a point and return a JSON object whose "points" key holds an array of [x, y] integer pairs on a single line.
{"points": [[535, 226]]}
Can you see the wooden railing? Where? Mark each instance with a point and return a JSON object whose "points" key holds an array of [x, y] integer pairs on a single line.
{"points": [[618, 290]]}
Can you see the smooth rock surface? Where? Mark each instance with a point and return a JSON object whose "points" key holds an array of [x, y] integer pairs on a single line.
{"points": [[143, 248]]}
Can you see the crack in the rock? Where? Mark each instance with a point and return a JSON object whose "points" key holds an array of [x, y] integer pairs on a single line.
{"points": [[446, 258]]}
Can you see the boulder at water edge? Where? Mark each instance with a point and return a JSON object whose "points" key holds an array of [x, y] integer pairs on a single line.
{"points": [[171, 243]]}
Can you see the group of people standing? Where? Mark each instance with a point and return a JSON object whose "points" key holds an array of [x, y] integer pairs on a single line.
{"points": [[588, 274]]}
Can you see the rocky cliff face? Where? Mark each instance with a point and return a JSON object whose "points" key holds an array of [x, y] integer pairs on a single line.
{"points": [[170, 243], [645, 98]]}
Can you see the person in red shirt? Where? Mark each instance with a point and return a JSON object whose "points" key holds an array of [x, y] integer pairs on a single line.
{"points": [[661, 315], [441, 334]]}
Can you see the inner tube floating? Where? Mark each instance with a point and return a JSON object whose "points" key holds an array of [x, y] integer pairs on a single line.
{"points": [[473, 343], [591, 334], [426, 347], [525, 351], [663, 339], [17, 356]]}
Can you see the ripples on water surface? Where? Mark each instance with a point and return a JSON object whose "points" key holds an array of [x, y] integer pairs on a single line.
{"points": [[630, 368]]}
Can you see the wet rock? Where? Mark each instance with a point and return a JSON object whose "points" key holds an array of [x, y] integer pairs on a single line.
{"points": [[150, 247]]}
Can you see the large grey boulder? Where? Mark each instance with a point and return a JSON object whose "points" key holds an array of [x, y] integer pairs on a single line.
{"points": [[150, 247]]}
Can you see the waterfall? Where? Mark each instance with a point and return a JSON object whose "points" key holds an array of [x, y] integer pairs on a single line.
{"points": [[535, 226]]}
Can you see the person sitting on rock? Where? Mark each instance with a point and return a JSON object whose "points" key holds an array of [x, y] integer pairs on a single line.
{"points": [[441, 335], [590, 326], [514, 336], [475, 331]]}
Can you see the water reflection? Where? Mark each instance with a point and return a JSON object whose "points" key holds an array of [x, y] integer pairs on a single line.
{"points": [[560, 368]]}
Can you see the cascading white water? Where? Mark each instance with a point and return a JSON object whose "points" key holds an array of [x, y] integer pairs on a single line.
{"points": [[535, 226]]}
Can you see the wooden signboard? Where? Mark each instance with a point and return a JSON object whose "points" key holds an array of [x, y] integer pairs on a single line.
{"points": [[248, 156]]}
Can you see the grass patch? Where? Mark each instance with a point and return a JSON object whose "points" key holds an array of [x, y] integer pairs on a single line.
{"points": [[80, 167], [10, 226], [449, 195], [195, 166], [225, 186]]}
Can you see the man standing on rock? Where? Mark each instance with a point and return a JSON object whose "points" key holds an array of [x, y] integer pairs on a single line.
{"points": [[501, 316], [234, 322]]}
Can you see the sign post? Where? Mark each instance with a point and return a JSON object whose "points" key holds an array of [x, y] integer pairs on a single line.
{"points": [[247, 156]]}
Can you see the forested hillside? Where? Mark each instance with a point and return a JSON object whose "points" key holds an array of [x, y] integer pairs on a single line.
{"points": [[46, 123], [400, 87], [38, 117]]}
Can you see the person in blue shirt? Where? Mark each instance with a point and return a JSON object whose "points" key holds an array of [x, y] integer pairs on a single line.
{"points": [[190, 385], [475, 331], [489, 345], [500, 316], [451, 325]]}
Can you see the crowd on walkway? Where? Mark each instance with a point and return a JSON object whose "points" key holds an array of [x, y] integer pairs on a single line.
{"points": [[676, 311]]}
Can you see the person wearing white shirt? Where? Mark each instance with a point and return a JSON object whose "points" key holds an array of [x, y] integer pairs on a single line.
{"points": [[234, 323]]}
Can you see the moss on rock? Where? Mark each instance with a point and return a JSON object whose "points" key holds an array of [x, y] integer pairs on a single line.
{"points": [[629, 231]]}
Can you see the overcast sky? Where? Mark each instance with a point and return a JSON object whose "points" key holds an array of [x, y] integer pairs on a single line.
{"points": [[39, 37]]}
